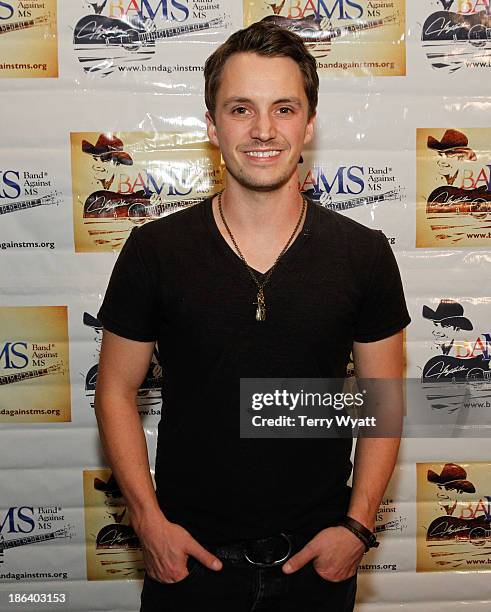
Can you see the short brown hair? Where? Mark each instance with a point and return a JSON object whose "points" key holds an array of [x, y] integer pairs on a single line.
{"points": [[269, 40]]}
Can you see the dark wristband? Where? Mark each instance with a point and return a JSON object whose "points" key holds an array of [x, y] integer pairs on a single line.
{"points": [[360, 531]]}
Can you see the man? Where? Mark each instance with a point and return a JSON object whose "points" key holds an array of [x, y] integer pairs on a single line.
{"points": [[242, 524], [456, 496], [451, 340], [453, 152], [108, 153], [452, 483], [448, 320]]}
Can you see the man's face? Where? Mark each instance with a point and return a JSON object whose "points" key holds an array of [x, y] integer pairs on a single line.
{"points": [[261, 120], [449, 163], [115, 506], [444, 334], [448, 499], [103, 167]]}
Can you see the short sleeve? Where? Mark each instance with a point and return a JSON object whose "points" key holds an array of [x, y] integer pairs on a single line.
{"points": [[383, 310], [129, 308]]}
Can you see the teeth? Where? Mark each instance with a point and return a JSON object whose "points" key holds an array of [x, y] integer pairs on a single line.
{"points": [[262, 153]]}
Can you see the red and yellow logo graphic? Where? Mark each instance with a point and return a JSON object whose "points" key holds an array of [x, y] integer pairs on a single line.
{"points": [[453, 517], [34, 374], [112, 547], [357, 38], [453, 187], [124, 179], [28, 39]]}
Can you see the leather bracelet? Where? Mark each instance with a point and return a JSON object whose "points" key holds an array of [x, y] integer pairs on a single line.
{"points": [[360, 531]]}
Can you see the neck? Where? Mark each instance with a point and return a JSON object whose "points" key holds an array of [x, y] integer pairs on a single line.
{"points": [[261, 211], [261, 222]]}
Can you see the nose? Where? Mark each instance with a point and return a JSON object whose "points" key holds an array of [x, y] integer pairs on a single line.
{"points": [[263, 127]]}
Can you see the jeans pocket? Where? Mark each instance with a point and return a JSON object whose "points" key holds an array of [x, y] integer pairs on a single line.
{"points": [[193, 566], [346, 581]]}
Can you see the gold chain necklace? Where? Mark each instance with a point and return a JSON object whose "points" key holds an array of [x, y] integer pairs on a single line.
{"points": [[261, 304]]}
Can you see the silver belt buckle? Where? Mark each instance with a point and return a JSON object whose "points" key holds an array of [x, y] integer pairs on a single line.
{"points": [[273, 563]]}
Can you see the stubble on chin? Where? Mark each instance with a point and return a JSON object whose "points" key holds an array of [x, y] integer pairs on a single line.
{"points": [[253, 183]]}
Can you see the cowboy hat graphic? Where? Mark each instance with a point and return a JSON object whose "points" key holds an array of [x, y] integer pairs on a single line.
{"points": [[448, 312], [108, 147], [111, 486], [452, 476], [453, 142]]}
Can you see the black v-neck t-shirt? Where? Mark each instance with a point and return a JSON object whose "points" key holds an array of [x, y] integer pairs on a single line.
{"points": [[177, 282]]}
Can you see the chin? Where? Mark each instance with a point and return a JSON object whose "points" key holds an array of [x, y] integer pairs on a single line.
{"points": [[268, 184], [263, 187]]}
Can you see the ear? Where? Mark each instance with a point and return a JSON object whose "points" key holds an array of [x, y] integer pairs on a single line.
{"points": [[309, 129], [211, 129]]}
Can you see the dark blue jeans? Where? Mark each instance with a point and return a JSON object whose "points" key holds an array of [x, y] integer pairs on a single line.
{"points": [[242, 587]]}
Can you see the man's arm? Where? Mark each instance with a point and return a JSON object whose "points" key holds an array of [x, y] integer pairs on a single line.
{"points": [[123, 365], [375, 458], [336, 551]]}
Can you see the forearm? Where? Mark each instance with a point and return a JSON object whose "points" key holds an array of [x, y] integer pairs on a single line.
{"points": [[379, 367], [125, 447], [374, 463]]}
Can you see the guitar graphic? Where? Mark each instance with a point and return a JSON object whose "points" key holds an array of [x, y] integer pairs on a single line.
{"points": [[51, 198], [20, 376], [476, 531], [23, 25], [452, 27], [398, 524], [326, 201], [448, 368], [105, 34], [446, 198], [109, 204], [311, 30], [458, 38], [66, 532]]}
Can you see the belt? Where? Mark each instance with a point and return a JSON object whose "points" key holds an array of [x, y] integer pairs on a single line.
{"points": [[266, 552]]}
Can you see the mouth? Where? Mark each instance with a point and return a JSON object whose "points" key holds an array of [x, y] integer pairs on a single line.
{"points": [[263, 155]]}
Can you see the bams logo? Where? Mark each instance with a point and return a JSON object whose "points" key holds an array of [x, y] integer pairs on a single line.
{"points": [[6, 10], [18, 519], [12, 355], [468, 350], [348, 180], [176, 10], [151, 185], [467, 7], [339, 9], [9, 187]]}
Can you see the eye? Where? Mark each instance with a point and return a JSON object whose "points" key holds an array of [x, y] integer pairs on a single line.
{"points": [[285, 110], [239, 110]]}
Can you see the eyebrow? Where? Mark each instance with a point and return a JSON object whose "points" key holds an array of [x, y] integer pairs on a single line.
{"points": [[242, 100]]}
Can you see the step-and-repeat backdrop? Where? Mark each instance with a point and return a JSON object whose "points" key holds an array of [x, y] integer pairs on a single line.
{"points": [[102, 127]]}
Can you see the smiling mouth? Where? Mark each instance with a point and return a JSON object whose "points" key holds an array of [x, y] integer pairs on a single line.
{"points": [[262, 154]]}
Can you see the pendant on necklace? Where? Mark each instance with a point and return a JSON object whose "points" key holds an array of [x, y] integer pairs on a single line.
{"points": [[261, 306]]}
